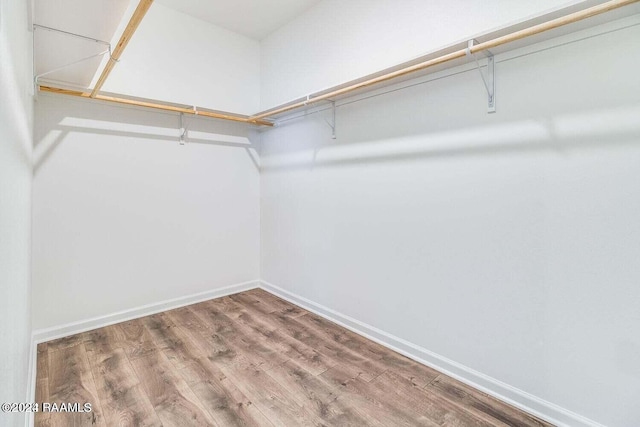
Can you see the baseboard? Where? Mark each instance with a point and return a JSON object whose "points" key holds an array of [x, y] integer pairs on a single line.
{"points": [[48, 334], [516, 397], [31, 381], [498, 389]]}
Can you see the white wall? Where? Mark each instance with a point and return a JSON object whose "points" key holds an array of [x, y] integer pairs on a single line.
{"points": [[123, 216], [174, 57], [16, 111], [337, 41], [508, 243]]}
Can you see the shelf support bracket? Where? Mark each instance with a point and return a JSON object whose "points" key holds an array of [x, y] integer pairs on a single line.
{"points": [[62, 67], [332, 123], [490, 80], [183, 130]]}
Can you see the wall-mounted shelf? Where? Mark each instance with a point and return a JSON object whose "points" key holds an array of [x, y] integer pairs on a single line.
{"points": [[555, 24], [158, 105], [558, 23]]}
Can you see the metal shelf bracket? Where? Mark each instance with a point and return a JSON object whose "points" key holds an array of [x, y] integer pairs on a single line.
{"points": [[183, 130], [332, 123], [490, 80], [62, 67]]}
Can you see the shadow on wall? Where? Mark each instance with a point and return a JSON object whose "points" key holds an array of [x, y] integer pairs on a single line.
{"points": [[97, 118], [14, 103], [560, 133]]}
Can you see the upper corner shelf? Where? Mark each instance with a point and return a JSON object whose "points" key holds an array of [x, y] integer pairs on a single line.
{"points": [[560, 22]]}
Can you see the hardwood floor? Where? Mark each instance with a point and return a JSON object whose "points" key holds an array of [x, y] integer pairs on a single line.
{"points": [[250, 359]]}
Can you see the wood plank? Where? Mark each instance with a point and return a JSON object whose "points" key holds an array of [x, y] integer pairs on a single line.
{"points": [[246, 405], [101, 342], [42, 419], [173, 400], [64, 342], [167, 337], [331, 352], [226, 403], [42, 363], [43, 347], [187, 319], [366, 367], [363, 397], [274, 401], [403, 394], [257, 303], [308, 357], [42, 391], [121, 396], [136, 342], [420, 375], [213, 318], [71, 381], [482, 405], [343, 336], [127, 34], [215, 347], [228, 306], [158, 105], [316, 395], [240, 337], [251, 360], [183, 348], [203, 377], [130, 336], [42, 384], [282, 306], [274, 346], [258, 317]]}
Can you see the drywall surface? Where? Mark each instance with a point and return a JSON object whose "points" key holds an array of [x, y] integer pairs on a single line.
{"points": [[16, 112], [124, 216], [506, 242], [175, 57], [337, 41]]}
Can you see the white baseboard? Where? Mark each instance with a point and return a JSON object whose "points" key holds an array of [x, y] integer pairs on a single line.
{"points": [[516, 397], [31, 381], [48, 334]]}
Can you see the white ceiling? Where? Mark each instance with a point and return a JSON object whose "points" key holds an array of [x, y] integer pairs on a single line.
{"points": [[253, 18]]}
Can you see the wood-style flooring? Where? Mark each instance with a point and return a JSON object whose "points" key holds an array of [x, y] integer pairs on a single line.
{"points": [[250, 359]]}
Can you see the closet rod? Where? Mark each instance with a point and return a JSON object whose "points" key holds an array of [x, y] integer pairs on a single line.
{"points": [[158, 106], [527, 32], [131, 27]]}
